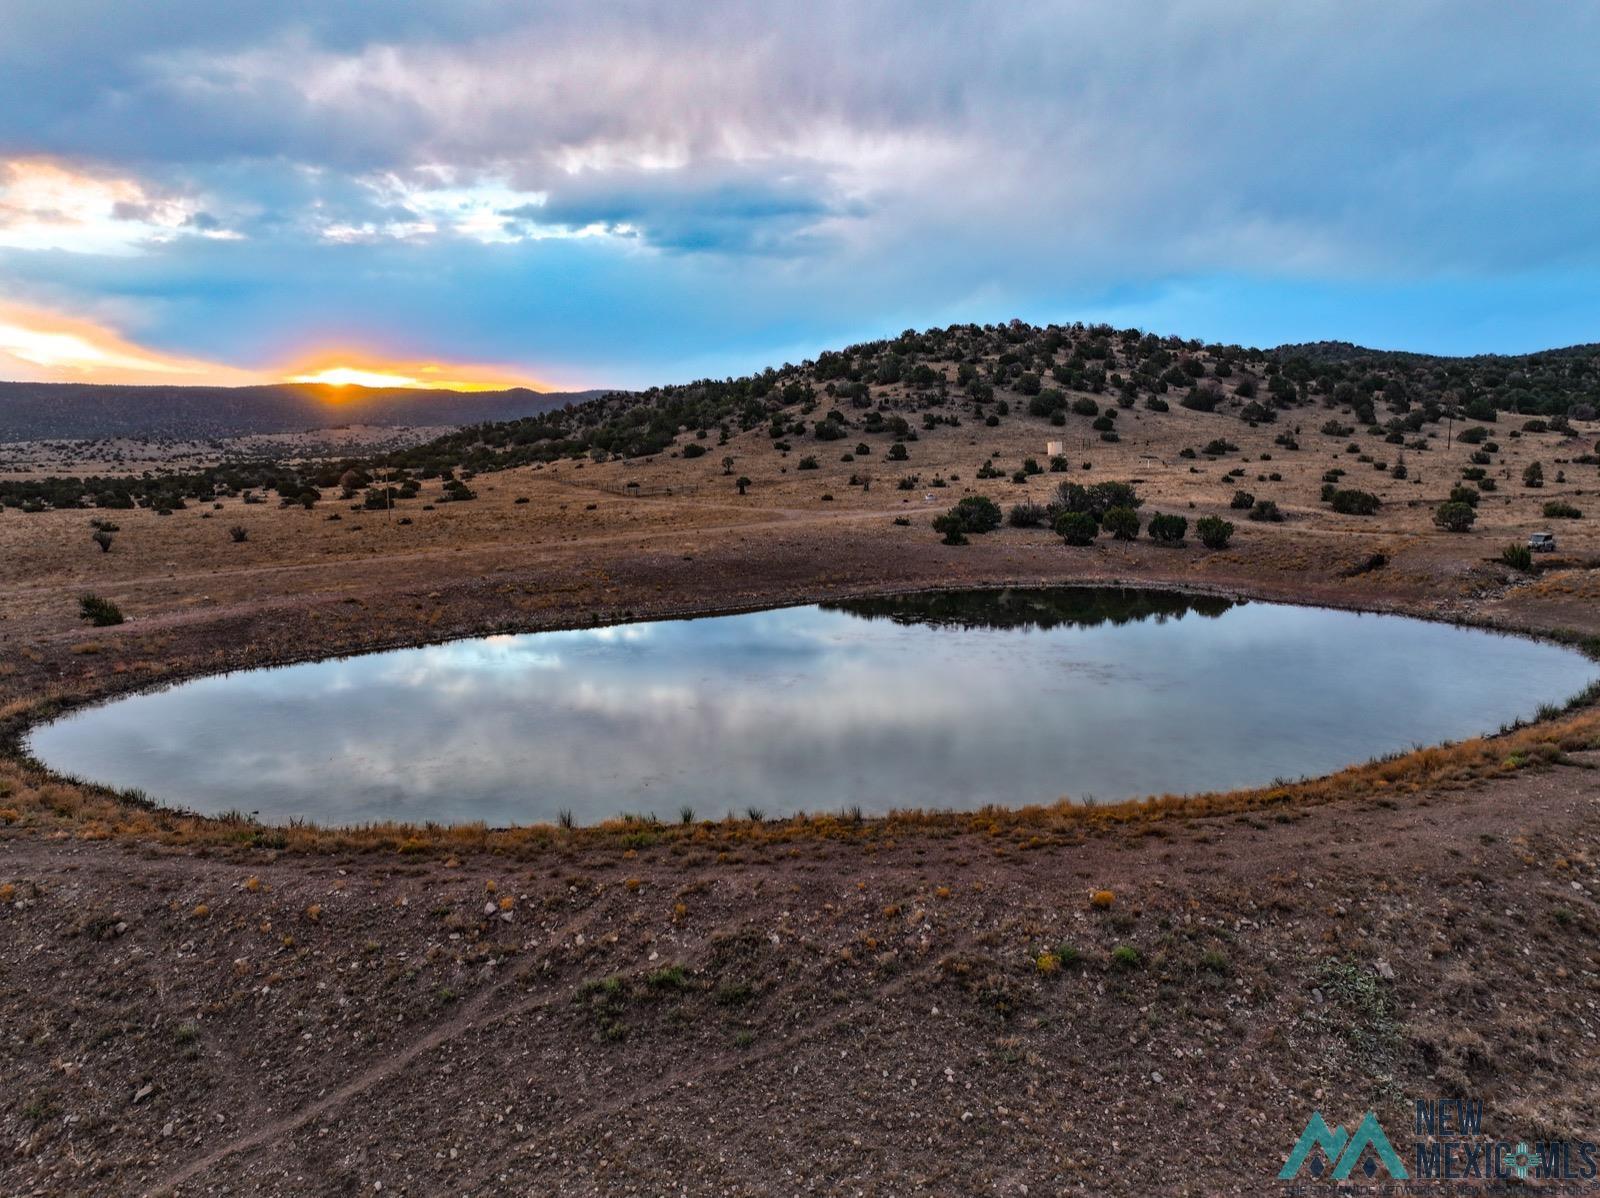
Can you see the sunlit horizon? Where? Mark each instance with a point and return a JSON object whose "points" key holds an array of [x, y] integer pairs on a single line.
{"points": [[41, 346]]}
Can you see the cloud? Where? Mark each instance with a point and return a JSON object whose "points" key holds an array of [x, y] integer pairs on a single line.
{"points": [[535, 180], [45, 346], [724, 207], [50, 205]]}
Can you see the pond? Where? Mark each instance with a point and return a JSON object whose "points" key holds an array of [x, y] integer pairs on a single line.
{"points": [[948, 700]]}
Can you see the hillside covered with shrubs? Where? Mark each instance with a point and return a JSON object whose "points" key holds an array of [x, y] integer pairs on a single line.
{"points": [[876, 397]]}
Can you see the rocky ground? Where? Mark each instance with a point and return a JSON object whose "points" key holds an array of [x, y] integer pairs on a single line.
{"points": [[937, 1009], [946, 1014]]}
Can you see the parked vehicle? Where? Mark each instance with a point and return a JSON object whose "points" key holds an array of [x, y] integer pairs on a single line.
{"points": [[1542, 542]]}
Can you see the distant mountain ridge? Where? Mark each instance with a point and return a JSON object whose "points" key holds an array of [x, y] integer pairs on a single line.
{"points": [[1346, 351], [80, 411]]}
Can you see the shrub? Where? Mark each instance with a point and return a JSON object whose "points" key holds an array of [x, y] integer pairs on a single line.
{"points": [[1027, 515], [1125, 956], [1097, 499], [1558, 510], [1243, 501], [103, 539], [102, 613], [1077, 528], [239, 533], [1214, 532], [950, 525], [807, 463], [1351, 502], [897, 452], [1455, 517], [1266, 510], [977, 513], [1533, 476], [1218, 446], [1466, 495], [1122, 523], [1168, 530], [1518, 557]]}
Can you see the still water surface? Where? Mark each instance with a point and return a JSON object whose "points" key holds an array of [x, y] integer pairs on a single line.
{"points": [[952, 700]]}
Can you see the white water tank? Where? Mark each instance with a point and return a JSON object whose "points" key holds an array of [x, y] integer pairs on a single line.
{"points": [[1053, 448]]}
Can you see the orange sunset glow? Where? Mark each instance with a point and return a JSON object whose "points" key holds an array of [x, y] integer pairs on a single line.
{"points": [[42, 346], [356, 370], [37, 345]]}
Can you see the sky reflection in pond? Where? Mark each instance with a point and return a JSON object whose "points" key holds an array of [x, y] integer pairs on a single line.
{"points": [[952, 700]]}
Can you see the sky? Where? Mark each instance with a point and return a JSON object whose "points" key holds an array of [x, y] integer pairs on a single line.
{"points": [[581, 194]]}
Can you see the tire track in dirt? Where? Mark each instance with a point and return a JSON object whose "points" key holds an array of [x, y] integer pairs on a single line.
{"points": [[473, 1017], [468, 1016]]}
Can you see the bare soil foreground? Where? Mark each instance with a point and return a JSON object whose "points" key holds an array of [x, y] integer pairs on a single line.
{"points": [[1149, 999]]}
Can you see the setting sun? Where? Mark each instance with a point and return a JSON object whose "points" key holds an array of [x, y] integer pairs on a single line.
{"points": [[343, 371]]}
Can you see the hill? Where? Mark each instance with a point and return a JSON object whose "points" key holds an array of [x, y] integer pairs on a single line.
{"points": [[80, 411], [987, 373]]}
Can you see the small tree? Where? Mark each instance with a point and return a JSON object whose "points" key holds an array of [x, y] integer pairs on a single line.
{"points": [[1122, 523], [103, 539], [978, 513], [897, 452], [741, 482], [1455, 517], [1077, 528], [727, 465], [1533, 476], [1214, 531], [1168, 530], [950, 525]]}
